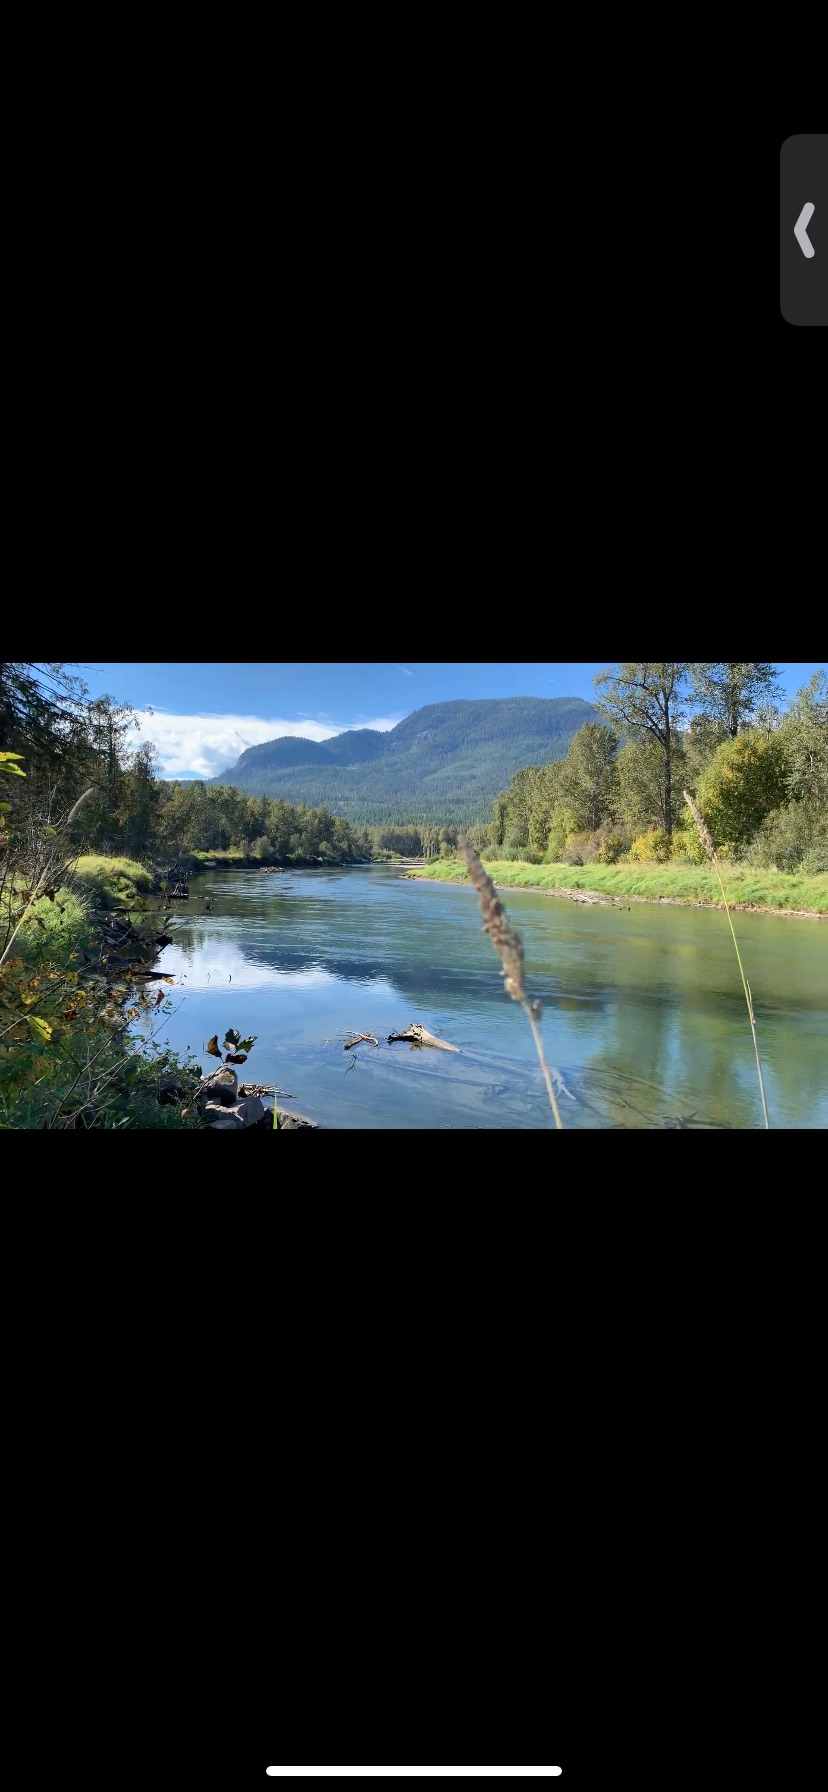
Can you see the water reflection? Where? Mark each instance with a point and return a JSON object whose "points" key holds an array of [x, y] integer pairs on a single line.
{"points": [[641, 1014]]}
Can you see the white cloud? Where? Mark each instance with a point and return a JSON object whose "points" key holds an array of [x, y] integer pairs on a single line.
{"points": [[203, 745], [407, 670]]}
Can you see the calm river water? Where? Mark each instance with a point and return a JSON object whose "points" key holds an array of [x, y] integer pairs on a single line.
{"points": [[644, 1014]]}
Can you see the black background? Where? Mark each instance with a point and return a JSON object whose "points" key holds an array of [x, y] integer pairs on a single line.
{"points": [[476, 337]]}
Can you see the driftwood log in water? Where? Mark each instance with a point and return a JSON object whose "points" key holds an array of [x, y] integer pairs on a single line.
{"points": [[417, 1035], [359, 1039]]}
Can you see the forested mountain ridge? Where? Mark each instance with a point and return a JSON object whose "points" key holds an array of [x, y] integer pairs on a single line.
{"points": [[446, 761]]}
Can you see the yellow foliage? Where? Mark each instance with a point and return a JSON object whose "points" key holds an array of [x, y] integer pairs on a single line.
{"points": [[652, 846]]}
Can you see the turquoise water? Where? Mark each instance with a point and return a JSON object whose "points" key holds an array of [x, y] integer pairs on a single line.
{"points": [[644, 1014]]}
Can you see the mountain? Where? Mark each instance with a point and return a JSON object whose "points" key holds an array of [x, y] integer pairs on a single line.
{"points": [[445, 762]]}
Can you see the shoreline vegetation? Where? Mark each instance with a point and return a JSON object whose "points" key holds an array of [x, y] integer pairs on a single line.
{"points": [[784, 894]]}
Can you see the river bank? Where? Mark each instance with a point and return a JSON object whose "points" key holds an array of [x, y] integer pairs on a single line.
{"points": [[84, 973], [695, 886], [233, 859]]}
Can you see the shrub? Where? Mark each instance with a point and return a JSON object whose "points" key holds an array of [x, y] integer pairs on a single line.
{"points": [[55, 927], [687, 846], [599, 846], [611, 847], [514, 855], [582, 848], [789, 836], [744, 781], [815, 860], [654, 845]]}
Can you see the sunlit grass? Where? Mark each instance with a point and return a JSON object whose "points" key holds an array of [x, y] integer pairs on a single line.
{"points": [[221, 854], [691, 883], [113, 880]]}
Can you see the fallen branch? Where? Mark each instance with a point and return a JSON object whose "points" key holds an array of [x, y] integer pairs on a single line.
{"points": [[265, 1089], [367, 1038], [418, 1036]]}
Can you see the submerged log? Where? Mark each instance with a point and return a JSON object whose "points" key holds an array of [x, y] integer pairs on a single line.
{"points": [[359, 1038], [418, 1036]]}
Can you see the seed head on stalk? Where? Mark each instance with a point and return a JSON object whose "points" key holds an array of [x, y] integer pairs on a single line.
{"points": [[507, 943], [509, 948], [703, 829]]}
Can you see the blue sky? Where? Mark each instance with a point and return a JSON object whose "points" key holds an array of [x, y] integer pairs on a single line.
{"points": [[204, 715]]}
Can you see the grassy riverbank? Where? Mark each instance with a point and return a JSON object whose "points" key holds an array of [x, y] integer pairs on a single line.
{"points": [[111, 881], [67, 997], [745, 887]]}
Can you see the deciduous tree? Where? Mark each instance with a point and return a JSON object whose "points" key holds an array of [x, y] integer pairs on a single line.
{"points": [[743, 782], [644, 698], [589, 777], [730, 691]]}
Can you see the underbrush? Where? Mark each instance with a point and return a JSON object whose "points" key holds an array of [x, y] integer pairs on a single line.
{"points": [[90, 1077], [68, 1059], [55, 928]]}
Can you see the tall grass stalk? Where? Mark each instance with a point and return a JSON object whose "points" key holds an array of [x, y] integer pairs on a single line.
{"points": [[707, 842], [509, 947]]}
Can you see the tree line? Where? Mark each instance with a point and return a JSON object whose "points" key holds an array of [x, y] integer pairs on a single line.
{"points": [[720, 730], [759, 771], [71, 743]]}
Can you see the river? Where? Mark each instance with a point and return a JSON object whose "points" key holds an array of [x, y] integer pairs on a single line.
{"points": [[643, 1016]]}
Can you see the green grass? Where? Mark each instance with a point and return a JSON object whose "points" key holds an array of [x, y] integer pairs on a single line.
{"points": [[45, 1077], [112, 880], [743, 884], [219, 853], [53, 930]]}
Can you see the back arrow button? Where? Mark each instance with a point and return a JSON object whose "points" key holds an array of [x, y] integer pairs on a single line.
{"points": [[801, 231]]}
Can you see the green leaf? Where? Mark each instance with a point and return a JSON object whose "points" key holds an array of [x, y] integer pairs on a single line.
{"points": [[40, 1027]]}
